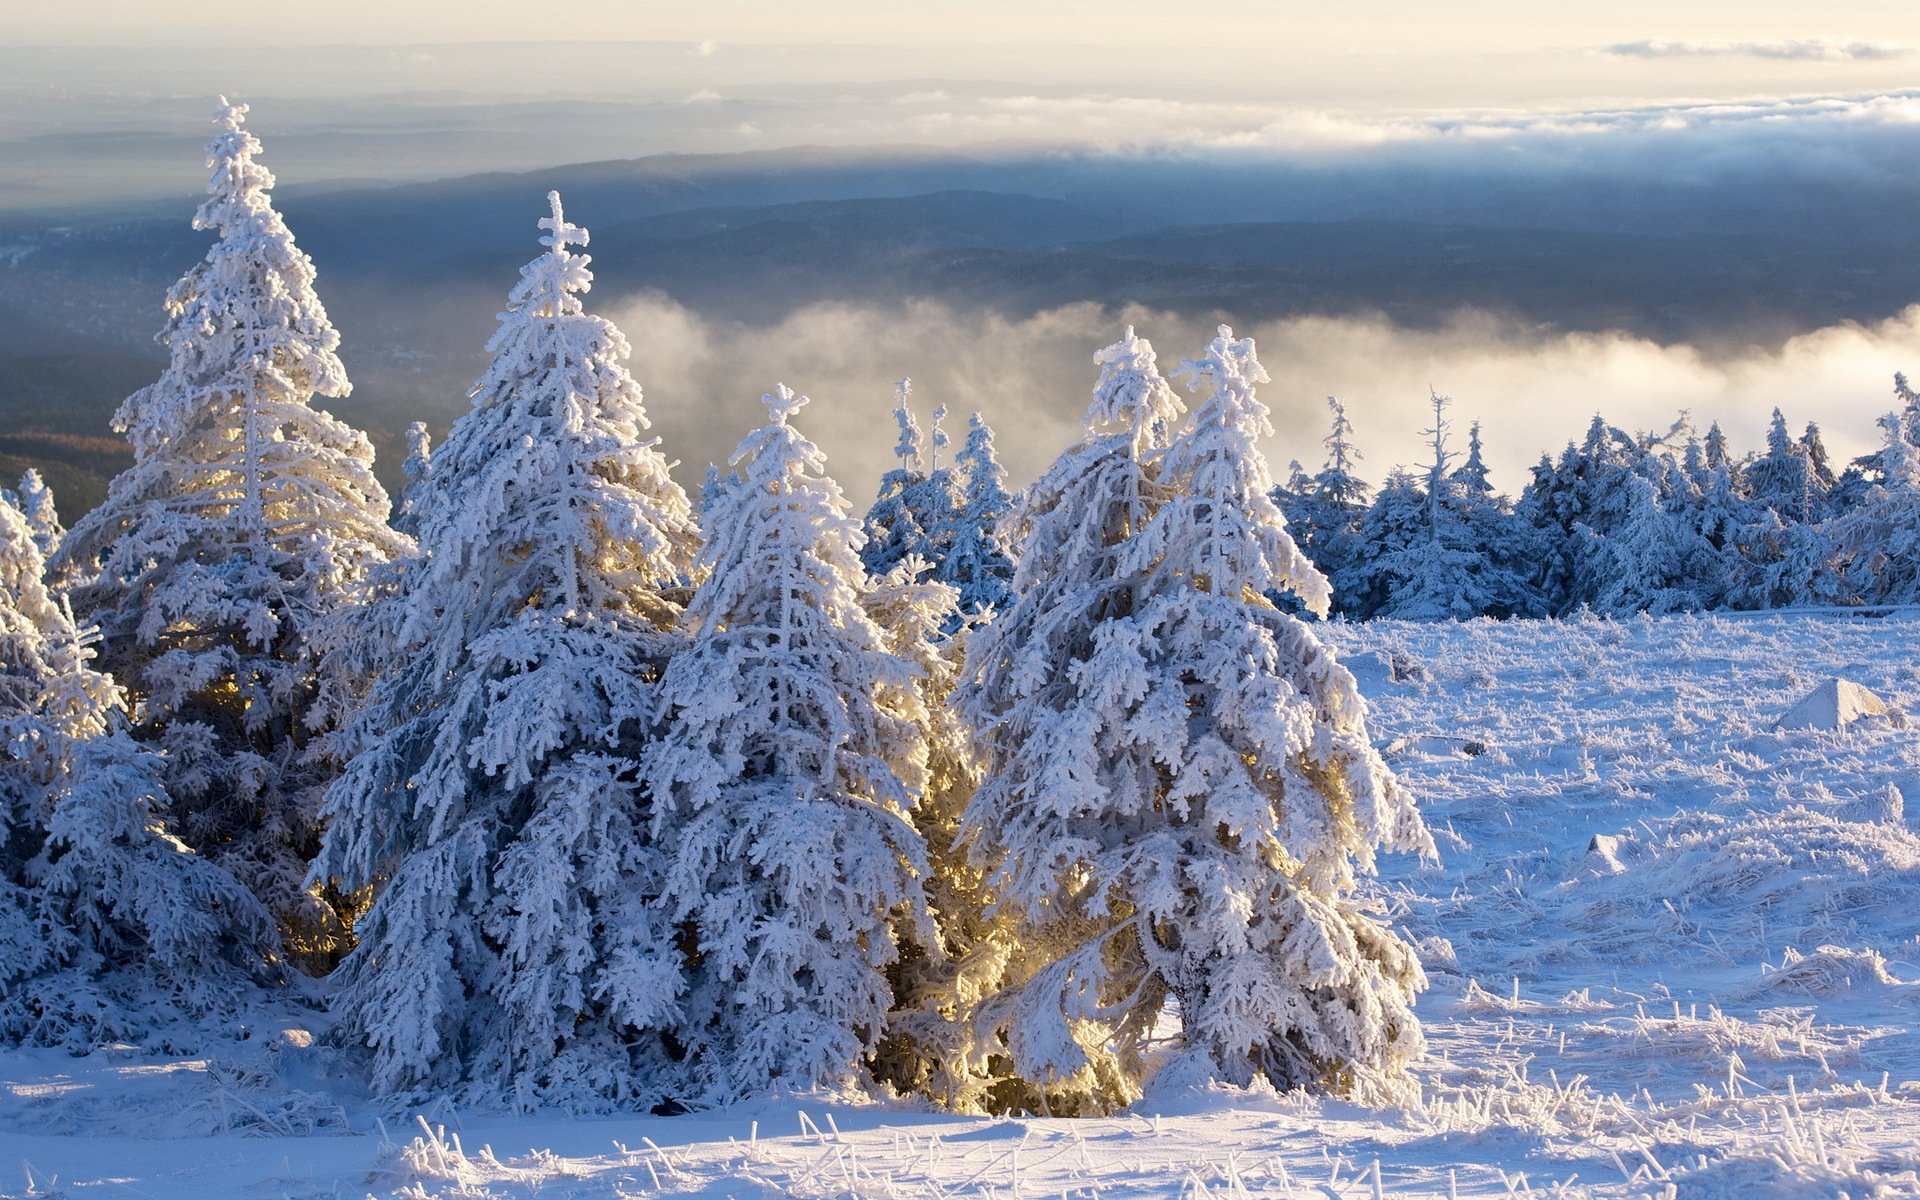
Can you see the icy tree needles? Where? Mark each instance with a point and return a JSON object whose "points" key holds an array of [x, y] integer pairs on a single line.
{"points": [[513, 948], [245, 520], [1179, 787]]}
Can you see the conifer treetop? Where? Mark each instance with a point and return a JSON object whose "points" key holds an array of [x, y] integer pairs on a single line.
{"points": [[937, 440], [907, 449], [548, 481], [1341, 453], [782, 403], [255, 287], [1239, 545], [1132, 395]]}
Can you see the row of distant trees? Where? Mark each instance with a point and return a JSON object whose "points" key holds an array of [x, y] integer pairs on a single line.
{"points": [[1620, 523], [584, 794]]}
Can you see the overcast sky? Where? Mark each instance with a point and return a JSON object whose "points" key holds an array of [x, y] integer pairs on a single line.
{"points": [[1422, 53]]}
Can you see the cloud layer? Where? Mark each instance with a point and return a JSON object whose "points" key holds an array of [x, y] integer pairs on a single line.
{"points": [[1798, 50], [1031, 378]]}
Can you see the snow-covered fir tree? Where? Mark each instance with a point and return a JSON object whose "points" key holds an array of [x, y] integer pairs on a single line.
{"points": [[1776, 563], [928, 1050], [977, 559], [1909, 408], [35, 502], [793, 746], [1392, 526], [1433, 577], [1020, 692], [1878, 540], [110, 929], [1449, 548], [514, 947], [1471, 475], [934, 500], [1176, 805], [1323, 513], [892, 525], [1813, 448], [1783, 479], [1660, 562], [1716, 448], [417, 467], [245, 519]]}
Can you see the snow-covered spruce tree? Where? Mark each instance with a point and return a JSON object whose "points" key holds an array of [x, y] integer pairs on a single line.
{"points": [[1393, 526], [246, 517], [110, 929], [1439, 577], [1864, 472], [514, 948], [1661, 563], [792, 746], [927, 1050], [1774, 547], [977, 559], [1778, 563], [1177, 806], [1878, 540], [1909, 408], [1471, 475], [892, 527], [1538, 513], [1716, 449], [1324, 513], [417, 468], [1446, 548], [933, 500], [1509, 553], [35, 502], [1813, 448], [1783, 479], [1022, 694]]}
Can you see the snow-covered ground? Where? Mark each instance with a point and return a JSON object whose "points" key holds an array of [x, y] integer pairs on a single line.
{"points": [[1674, 950]]}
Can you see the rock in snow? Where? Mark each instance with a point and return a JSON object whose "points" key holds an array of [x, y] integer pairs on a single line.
{"points": [[1836, 704]]}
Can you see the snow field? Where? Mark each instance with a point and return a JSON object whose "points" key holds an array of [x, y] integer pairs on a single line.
{"points": [[1671, 950]]}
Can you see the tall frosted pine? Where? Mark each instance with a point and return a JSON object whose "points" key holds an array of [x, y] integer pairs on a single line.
{"points": [[245, 519], [1179, 821], [893, 529], [794, 745], [513, 950], [1037, 715], [1239, 869]]}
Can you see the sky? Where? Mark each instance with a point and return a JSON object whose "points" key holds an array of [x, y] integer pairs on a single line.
{"points": [[98, 98], [1399, 54]]}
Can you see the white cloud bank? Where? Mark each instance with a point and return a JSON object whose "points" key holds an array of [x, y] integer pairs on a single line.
{"points": [[1821, 49], [1031, 378]]}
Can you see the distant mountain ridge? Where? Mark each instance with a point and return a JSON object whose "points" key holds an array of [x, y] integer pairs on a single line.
{"points": [[414, 273]]}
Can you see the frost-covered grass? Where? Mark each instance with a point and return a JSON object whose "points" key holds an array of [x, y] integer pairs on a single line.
{"points": [[1673, 952]]}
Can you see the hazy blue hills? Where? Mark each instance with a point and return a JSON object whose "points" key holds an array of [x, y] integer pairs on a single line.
{"points": [[413, 274]]}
